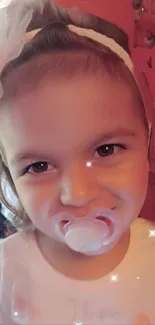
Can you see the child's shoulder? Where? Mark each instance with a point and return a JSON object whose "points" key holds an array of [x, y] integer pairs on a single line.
{"points": [[16, 244], [143, 238], [143, 228], [15, 253], [9, 240]]}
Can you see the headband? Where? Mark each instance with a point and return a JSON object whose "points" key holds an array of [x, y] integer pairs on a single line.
{"points": [[15, 18], [106, 41]]}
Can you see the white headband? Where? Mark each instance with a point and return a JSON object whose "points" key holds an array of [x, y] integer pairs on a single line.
{"points": [[14, 21], [106, 41], [97, 37]]}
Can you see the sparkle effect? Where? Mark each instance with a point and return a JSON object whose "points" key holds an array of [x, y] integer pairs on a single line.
{"points": [[88, 164], [114, 278], [15, 313], [151, 233]]}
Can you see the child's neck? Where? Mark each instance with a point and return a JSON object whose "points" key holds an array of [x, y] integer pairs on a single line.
{"points": [[77, 266]]}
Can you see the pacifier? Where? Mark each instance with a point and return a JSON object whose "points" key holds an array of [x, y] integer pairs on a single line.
{"points": [[94, 234]]}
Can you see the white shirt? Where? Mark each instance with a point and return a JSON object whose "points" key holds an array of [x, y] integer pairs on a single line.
{"points": [[32, 292]]}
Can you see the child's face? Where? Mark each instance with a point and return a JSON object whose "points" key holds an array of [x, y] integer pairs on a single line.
{"points": [[66, 125]]}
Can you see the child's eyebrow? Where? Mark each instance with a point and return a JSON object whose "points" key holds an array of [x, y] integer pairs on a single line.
{"points": [[29, 155], [121, 132], [118, 133]]}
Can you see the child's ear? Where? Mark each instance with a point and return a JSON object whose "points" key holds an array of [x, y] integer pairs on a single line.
{"points": [[141, 319]]}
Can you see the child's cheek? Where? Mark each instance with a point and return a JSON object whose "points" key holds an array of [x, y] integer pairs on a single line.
{"points": [[127, 184], [36, 197]]}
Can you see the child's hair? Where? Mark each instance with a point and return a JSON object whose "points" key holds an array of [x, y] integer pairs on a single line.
{"points": [[70, 55]]}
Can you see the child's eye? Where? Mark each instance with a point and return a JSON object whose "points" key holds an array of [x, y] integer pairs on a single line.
{"points": [[108, 150], [38, 167]]}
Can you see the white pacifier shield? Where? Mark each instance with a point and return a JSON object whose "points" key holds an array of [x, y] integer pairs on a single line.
{"points": [[86, 238]]}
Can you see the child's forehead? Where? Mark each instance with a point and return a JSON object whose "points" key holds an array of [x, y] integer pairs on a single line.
{"points": [[85, 88], [25, 76], [40, 70], [38, 83], [59, 103]]}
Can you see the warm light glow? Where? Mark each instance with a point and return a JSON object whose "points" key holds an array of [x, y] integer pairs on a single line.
{"points": [[78, 323], [88, 164], [151, 233], [138, 277], [114, 278], [15, 313]]}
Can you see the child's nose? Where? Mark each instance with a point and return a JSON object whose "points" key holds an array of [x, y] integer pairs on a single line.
{"points": [[76, 190]]}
